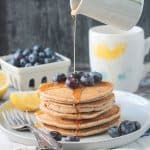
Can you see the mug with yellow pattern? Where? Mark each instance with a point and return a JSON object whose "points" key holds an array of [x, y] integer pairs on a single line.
{"points": [[119, 55]]}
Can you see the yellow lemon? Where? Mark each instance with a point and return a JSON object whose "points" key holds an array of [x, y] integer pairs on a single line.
{"points": [[25, 101], [4, 83]]}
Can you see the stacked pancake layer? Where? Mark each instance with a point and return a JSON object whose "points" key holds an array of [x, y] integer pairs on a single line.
{"points": [[84, 111]]}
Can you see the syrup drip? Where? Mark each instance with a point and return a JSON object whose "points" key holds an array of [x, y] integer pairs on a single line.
{"points": [[77, 96], [48, 86]]}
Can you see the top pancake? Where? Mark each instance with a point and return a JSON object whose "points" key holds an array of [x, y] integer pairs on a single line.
{"points": [[60, 93]]}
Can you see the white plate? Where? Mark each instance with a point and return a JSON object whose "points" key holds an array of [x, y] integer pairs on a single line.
{"points": [[133, 107]]}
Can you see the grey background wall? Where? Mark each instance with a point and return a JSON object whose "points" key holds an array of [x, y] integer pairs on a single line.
{"points": [[48, 22]]}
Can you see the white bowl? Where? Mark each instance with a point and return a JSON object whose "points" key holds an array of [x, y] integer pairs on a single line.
{"points": [[28, 78]]}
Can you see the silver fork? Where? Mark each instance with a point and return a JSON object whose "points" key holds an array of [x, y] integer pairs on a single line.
{"points": [[21, 121]]}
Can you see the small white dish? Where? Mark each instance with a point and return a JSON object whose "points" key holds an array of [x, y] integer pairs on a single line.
{"points": [[133, 107], [20, 78]]}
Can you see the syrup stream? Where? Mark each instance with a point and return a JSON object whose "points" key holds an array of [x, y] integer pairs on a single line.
{"points": [[76, 92], [74, 41]]}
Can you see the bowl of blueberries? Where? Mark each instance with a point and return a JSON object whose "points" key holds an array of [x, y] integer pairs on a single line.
{"points": [[28, 68]]}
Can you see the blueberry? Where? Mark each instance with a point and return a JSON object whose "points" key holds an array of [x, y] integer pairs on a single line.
{"points": [[77, 75], [23, 62], [58, 58], [49, 52], [37, 48], [54, 58], [60, 78], [35, 53], [14, 62], [113, 132], [80, 74], [17, 56], [87, 80], [41, 60], [72, 82], [127, 127], [97, 76], [26, 52], [137, 124], [72, 139], [28, 65], [47, 60], [32, 58], [56, 135], [41, 54]]}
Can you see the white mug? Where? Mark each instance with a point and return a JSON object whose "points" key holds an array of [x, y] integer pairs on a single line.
{"points": [[119, 55], [121, 14]]}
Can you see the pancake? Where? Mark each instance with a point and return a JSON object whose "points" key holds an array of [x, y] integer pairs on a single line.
{"points": [[76, 116], [84, 132], [60, 93], [98, 105], [48, 119]]}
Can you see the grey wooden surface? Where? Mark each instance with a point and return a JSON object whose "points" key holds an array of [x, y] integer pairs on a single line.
{"points": [[26, 22]]}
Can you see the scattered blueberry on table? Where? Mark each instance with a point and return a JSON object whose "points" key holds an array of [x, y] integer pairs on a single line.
{"points": [[34, 56], [125, 127]]}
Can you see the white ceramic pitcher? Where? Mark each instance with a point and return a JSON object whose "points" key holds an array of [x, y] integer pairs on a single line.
{"points": [[123, 14]]}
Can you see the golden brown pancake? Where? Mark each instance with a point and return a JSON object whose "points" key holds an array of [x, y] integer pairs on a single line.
{"points": [[108, 116], [98, 105], [63, 94], [83, 111], [77, 116], [84, 132]]}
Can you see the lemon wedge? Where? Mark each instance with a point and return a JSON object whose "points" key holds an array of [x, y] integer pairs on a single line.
{"points": [[25, 101], [4, 83]]}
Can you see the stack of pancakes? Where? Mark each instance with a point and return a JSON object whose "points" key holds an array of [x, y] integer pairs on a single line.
{"points": [[83, 111]]}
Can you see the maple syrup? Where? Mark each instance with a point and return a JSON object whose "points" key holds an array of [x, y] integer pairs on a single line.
{"points": [[76, 92], [74, 41], [77, 96], [47, 86]]}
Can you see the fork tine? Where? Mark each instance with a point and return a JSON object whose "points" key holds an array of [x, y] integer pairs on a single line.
{"points": [[23, 116], [7, 118], [17, 117], [12, 117], [28, 118], [33, 121]]}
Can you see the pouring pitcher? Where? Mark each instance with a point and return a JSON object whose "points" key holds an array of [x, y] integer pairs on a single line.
{"points": [[123, 14]]}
